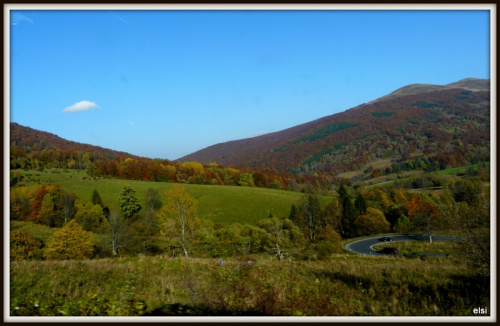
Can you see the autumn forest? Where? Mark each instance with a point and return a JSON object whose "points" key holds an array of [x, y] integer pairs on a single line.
{"points": [[415, 163]]}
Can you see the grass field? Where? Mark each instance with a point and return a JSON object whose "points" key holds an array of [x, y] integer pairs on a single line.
{"points": [[377, 164], [388, 179], [160, 286], [463, 169], [40, 231], [221, 204]]}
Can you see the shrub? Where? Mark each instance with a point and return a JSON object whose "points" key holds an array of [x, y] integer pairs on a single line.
{"points": [[71, 242], [90, 217], [325, 249], [23, 245]]}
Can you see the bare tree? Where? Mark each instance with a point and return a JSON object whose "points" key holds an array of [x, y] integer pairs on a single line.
{"points": [[117, 228], [282, 234], [68, 206], [153, 204]]}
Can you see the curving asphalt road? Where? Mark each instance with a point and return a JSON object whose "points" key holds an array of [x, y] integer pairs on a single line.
{"points": [[365, 246]]}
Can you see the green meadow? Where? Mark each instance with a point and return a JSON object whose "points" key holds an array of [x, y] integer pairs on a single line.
{"points": [[221, 204], [464, 169]]}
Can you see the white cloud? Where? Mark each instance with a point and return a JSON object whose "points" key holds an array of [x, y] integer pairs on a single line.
{"points": [[81, 106], [120, 18], [17, 18]]}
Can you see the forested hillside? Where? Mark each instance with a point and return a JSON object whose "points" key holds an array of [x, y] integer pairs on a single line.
{"points": [[30, 148], [418, 127], [424, 126], [72, 214]]}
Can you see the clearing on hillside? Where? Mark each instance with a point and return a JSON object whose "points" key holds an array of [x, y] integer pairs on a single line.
{"points": [[221, 204]]}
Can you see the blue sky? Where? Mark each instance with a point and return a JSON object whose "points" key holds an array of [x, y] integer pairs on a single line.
{"points": [[164, 84]]}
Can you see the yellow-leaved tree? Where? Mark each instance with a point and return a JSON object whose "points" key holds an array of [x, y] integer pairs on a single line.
{"points": [[373, 222], [178, 218], [23, 245], [91, 217], [70, 242]]}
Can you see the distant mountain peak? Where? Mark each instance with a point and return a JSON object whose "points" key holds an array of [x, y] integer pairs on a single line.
{"points": [[415, 120], [470, 84]]}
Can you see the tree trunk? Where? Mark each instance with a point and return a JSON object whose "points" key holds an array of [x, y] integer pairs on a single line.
{"points": [[279, 254], [183, 233], [114, 247]]}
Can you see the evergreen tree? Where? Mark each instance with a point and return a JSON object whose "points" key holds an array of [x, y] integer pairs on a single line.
{"points": [[313, 218], [348, 213], [294, 214], [107, 212], [96, 199], [360, 205], [129, 203]]}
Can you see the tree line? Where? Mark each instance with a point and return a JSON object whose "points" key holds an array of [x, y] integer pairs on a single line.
{"points": [[168, 223]]}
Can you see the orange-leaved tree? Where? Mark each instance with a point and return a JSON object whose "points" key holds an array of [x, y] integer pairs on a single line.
{"points": [[424, 214], [36, 203]]}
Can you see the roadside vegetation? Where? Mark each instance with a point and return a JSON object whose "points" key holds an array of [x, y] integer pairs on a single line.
{"points": [[414, 248]]}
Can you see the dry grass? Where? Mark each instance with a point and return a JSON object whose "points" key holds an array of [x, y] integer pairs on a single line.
{"points": [[343, 286]]}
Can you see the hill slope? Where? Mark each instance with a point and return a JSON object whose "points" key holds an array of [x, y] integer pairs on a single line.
{"points": [[450, 123], [469, 84], [225, 205], [45, 146]]}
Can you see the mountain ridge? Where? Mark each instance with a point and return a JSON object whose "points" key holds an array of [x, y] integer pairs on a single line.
{"points": [[434, 111], [471, 84], [443, 126], [23, 135]]}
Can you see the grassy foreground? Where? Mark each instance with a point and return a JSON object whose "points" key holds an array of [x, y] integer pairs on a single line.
{"points": [[157, 286], [220, 204]]}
